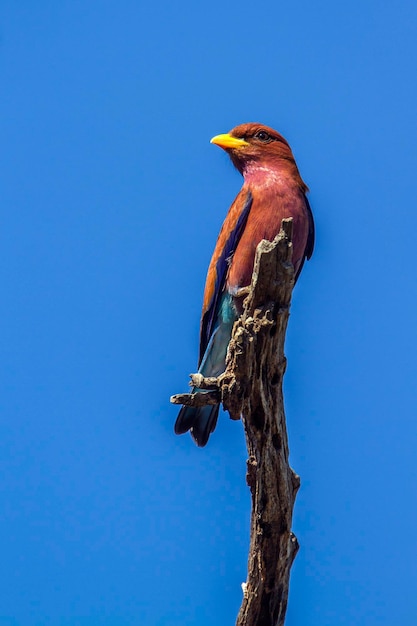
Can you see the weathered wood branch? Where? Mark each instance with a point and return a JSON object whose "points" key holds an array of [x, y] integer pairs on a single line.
{"points": [[251, 389], [257, 365]]}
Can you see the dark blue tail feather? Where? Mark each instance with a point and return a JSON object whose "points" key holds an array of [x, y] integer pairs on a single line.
{"points": [[200, 421]]}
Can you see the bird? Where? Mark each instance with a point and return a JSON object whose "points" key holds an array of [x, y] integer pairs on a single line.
{"points": [[272, 190]]}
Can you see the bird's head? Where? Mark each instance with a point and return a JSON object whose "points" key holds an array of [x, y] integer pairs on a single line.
{"points": [[253, 146]]}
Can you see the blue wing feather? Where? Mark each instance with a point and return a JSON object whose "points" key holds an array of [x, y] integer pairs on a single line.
{"points": [[216, 327], [209, 319]]}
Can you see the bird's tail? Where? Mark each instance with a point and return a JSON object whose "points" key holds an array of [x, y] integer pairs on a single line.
{"points": [[200, 421]]}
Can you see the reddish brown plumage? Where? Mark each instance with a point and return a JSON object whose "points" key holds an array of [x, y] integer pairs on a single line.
{"points": [[272, 190], [228, 225], [275, 154], [271, 176]]}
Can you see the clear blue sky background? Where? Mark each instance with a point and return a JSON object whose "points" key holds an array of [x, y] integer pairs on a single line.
{"points": [[112, 198]]}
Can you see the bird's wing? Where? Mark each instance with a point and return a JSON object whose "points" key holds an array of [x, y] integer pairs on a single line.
{"points": [[310, 239], [311, 231], [227, 241]]}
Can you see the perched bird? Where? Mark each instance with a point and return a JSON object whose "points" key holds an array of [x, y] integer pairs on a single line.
{"points": [[272, 190]]}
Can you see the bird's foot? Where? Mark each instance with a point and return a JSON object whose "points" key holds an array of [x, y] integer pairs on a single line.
{"points": [[242, 292], [201, 382]]}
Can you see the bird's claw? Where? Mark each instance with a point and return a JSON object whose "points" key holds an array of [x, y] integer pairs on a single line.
{"points": [[242, 292]]}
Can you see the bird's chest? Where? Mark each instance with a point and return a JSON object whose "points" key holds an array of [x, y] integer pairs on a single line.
{"points": [[271, 204]]}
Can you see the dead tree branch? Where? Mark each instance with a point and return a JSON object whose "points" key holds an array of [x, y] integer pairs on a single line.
{"points": [[251, 388]]}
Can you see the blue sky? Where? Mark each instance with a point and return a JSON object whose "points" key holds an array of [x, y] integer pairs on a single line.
{"points": [[112, 198]]}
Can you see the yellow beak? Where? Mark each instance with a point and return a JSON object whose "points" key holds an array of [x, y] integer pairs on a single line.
{"points": [[228, 142]]}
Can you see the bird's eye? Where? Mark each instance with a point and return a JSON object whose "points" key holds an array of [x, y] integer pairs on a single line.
{"points": [[263, 136]]}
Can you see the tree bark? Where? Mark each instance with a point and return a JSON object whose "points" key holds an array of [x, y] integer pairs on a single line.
{"points": [[251, 389]]}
